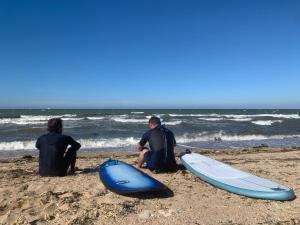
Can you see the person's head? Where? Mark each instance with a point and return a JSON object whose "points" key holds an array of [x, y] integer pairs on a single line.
{"points": [[55, 125], [154, 121]]}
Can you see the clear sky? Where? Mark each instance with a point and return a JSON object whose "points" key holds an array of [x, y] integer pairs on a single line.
{"points": [[150, 54]]}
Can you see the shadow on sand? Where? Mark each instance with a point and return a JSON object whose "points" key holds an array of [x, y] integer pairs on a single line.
{"points": [[166, 193], [88, 170]]}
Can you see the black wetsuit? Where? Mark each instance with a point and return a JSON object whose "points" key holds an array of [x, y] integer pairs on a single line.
{"points": [[161, 141], [54, 158]]}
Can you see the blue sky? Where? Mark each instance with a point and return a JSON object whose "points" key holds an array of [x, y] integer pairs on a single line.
{"points": [[150, 54]]}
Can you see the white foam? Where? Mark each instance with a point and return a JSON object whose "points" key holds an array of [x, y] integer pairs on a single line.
{"points": [[266, 122], [171, 123], [137, 112], [46, 117], [73, 119], [36, 119], [85, 143], [19, 121], [126, 119], [239, 116], [220, 119], [204, 136], [131, 141], [211, 119], [17, 145], [96, 118], [157, 115], [129, 120], [192, 115], [108, 143], [284, 116], [241, 119]]}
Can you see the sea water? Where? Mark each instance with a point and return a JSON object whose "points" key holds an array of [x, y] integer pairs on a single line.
{"points": [[111, 130]]}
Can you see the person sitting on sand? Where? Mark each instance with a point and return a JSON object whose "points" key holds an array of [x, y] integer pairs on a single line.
{"points": [[161, 140], [54, 155]]}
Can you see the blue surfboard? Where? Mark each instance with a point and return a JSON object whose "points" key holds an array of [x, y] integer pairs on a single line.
{"points": [[124, 178]]}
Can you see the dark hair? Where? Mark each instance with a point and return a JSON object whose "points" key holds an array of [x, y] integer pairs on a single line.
{"points": [[154, 120], [55, 125]]}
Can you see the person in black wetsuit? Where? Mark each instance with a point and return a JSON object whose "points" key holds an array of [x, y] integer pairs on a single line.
{"points": [[161, 140], [54, 155]]}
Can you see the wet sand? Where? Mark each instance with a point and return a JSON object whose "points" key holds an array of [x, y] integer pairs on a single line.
{"points": [[27, 198]]}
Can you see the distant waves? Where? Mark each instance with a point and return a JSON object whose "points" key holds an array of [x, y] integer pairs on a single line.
{"points": [[130, 142], [122, 129], [136, 117]]}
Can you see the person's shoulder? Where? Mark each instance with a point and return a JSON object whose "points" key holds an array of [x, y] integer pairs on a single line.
{"points": [[43, 136], [169, 131], [65, 136], [147, 133], [42, 139]]}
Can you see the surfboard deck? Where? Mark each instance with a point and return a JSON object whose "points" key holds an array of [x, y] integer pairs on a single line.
{"points": [[228, 178], [124, 178]]}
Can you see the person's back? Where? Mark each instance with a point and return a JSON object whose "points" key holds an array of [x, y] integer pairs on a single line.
{"points": [[54, 157], [161, 141]]}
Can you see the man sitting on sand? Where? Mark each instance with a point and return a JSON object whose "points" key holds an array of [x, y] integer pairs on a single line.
{"points": [[55, 157], [161, 140]]}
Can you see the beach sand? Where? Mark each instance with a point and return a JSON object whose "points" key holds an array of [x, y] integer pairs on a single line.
{"points": [[27, 198]]}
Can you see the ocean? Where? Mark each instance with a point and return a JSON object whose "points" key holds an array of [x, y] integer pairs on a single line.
{"points": [[111, 129]]}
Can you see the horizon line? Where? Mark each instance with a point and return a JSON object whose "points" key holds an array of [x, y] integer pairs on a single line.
{"points": [[148, 108]]}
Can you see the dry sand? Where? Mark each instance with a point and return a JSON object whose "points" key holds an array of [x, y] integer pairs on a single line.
{"points": [[27, 198]]}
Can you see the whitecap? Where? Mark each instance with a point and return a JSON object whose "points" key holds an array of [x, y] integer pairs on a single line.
{"points": [[37, 119], [284, 116], [204, 136], [187, 115], [223, 119], [266, 122], [108, 143], [20, 121], [171, 123], [129, 120], [239, 116], [157, 115], [241, 119], [95, 118], [211, 119], [17, 145], [137, 112], [85, 143]]}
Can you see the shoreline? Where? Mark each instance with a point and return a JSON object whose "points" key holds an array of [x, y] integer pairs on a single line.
{"points": [[27, 198], [15, 154]]}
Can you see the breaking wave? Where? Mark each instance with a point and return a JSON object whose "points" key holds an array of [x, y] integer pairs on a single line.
{"points": [[131, 141], [129, 120], [170, 123], [30, 119], [204, 136], [239, 116], [137, 112], [108, 143], [17, 145], [85, 143], [266, 122], [95, 118]]}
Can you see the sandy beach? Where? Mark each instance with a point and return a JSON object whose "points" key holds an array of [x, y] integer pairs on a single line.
{"points": [[27, 198]]}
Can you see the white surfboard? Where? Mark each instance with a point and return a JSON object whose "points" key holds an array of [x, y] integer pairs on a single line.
{"points": [[234, 180]]}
